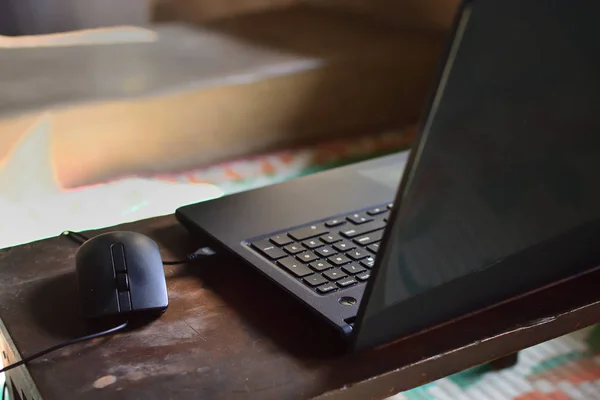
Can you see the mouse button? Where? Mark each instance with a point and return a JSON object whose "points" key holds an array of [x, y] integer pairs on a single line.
{"points": [[97, 288], [117, 251], [95, 272], [147, 284], [144, 266], [122, 282]]}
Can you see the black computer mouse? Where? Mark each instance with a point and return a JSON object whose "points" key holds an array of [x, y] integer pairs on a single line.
{"points": [[120, 273]]}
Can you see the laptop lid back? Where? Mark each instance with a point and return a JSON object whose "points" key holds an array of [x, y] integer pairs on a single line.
{"points": [[502, 192]]}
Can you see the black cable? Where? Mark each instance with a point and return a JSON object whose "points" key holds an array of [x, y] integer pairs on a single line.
{"points": [[179, 262], [75, 236], [64, 344], [4, 388], [200, 253]]}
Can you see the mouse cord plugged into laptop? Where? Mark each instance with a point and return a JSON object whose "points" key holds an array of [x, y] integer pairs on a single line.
{"points": [[200, 253], [64, 344]]}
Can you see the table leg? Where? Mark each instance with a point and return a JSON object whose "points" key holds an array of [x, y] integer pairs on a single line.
{"points": [[505, 362]]}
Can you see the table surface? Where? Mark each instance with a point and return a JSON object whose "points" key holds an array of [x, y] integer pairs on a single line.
{"points": [[230, 334]]}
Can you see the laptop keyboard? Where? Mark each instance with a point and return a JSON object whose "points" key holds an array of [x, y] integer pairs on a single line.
{"points": [[328, 256]]}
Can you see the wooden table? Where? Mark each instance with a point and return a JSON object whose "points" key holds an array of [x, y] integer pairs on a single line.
{"points": [[230, 334]]}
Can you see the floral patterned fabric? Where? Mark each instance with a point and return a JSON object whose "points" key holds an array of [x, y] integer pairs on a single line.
{"points": [[561, 369], [279, 166]]}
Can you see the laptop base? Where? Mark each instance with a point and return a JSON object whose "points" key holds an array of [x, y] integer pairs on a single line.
{"points": [[244, 224]]}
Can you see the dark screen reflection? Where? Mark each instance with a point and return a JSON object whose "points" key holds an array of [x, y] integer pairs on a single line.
{"points": [[512, 153]]}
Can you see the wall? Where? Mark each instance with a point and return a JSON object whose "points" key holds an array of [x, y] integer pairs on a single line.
{"points": [[203, 10], [430, 14]]}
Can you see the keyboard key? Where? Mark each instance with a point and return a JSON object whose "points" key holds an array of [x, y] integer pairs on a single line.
{"points": [[315, 280], [353, 231], [308, 232], [377, 210], [320, 265], [364, 276], [312, 243], [370, 238], [325, 251], [346, 282], [331, 238], [329, 287], [359, 218], [294, 248], [307, 256], [295, 267], [334, 274], [353, 269], [344, 245], [368, 262], [358, 254], [268, 249], [281, 240], [374, 248], [334, 222], [339, 259]]}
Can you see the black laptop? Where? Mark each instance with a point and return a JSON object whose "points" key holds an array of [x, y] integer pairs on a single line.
{"points": [[500, 194]]}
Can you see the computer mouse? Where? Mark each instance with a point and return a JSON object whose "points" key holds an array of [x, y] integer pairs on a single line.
{"points": [[120, 273]]}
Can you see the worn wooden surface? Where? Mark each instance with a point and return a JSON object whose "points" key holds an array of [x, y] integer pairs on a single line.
{"points": [[229, 334]]}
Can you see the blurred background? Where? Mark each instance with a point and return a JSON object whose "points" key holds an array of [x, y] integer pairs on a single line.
{"points": [[32, 17], [153, 104], [22, 17]]}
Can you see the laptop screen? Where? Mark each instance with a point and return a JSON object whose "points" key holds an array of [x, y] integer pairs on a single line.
{"points": [[503, 193]]}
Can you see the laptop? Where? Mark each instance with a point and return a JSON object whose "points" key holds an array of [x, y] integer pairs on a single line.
{"points": [[499, 196]]}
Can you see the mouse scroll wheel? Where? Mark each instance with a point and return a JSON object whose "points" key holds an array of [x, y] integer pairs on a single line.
{"points": [[118, 257], [122, 283]]}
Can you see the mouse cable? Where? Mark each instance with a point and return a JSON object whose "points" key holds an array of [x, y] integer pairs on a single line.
{"points": [[200, 253], [64, 344], [75, 236]]}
